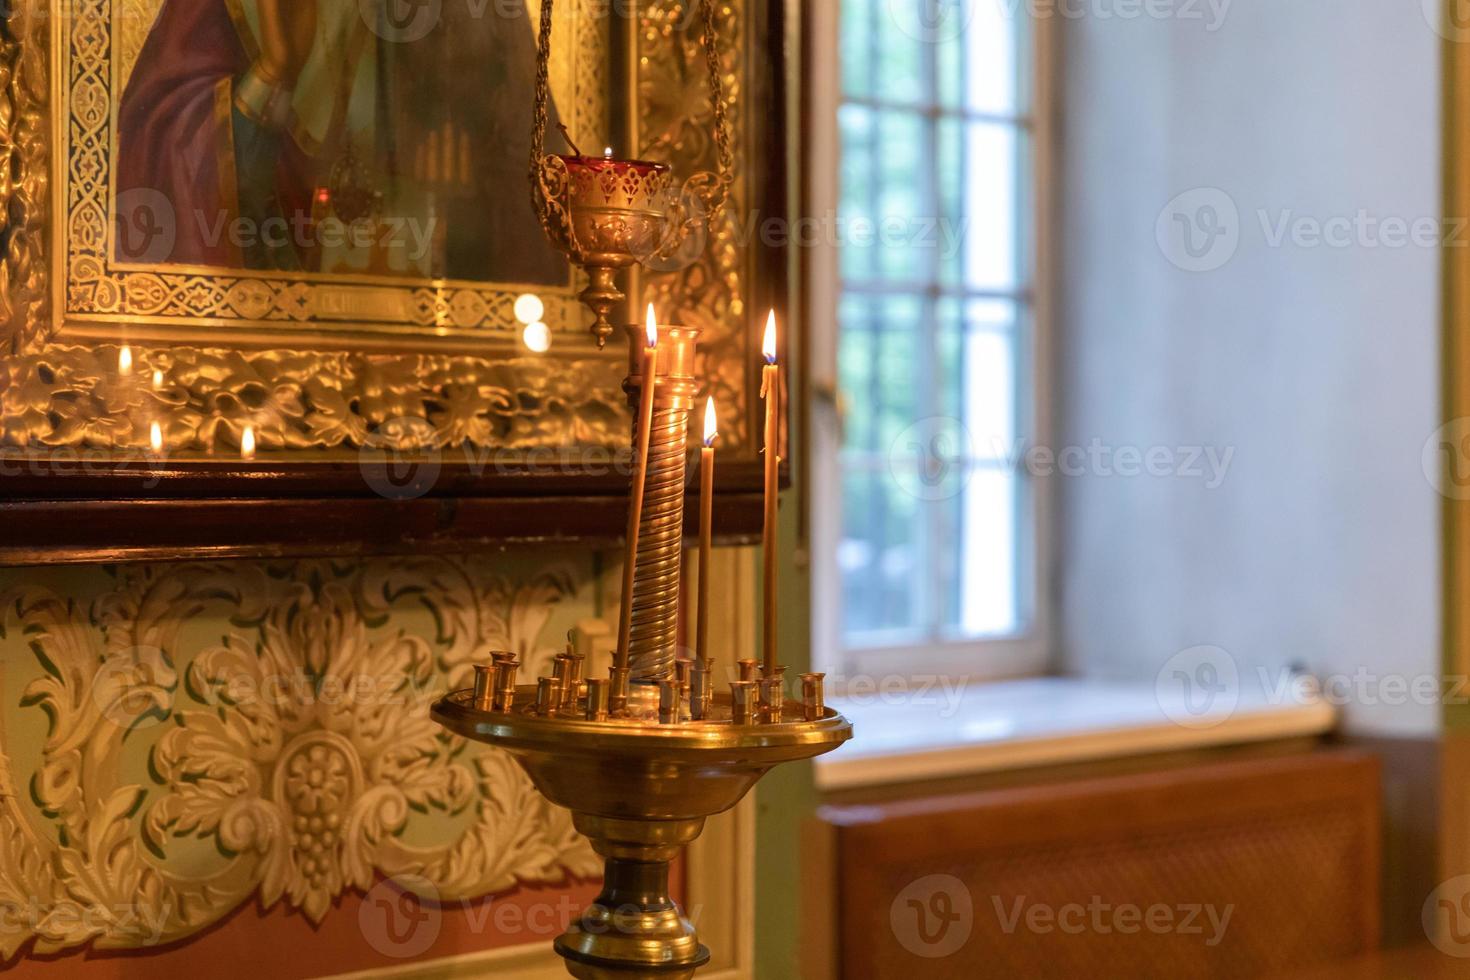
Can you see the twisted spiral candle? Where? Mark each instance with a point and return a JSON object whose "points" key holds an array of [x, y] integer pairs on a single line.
{"points": [[654, 638]]}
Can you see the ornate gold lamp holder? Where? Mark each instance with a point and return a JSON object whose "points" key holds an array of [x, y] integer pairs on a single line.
{"points": [[610, 214]]}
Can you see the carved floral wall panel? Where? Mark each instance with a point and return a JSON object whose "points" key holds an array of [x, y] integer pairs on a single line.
{"points": [[186, 738]]}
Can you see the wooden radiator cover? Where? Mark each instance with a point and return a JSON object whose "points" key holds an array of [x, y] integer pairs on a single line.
{"points": [[1128, 876]]}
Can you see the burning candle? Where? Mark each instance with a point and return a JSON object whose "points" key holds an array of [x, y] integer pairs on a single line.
{"points": [[640, 477], [706, 531], [771, 392], [247, 443]]}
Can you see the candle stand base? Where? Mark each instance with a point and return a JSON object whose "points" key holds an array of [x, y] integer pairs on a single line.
{"points": [[640, 792]]}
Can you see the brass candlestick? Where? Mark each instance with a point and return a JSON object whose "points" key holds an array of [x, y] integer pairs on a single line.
{"points": [[647, 754]]}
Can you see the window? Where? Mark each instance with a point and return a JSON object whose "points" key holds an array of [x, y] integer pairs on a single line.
{"points": [[930, 307]]}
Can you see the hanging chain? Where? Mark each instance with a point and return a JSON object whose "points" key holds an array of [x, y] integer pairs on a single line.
{"points": [[725, 155], [543, 95], [717, 102]]}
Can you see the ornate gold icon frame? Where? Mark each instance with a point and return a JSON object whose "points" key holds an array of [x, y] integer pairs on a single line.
{"points": [[316, 393]]}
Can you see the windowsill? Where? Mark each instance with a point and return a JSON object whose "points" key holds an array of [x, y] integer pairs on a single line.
{"points": [[1019, 724]]}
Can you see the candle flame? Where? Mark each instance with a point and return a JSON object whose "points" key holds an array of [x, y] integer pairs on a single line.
{"points": [[607, 153], [652, 327], [711, 425], [125, 360], [768, 347], [155, 437], [247, 443], [157, 379]]}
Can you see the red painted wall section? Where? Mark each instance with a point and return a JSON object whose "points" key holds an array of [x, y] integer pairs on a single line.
{"points": [[385, 928]]}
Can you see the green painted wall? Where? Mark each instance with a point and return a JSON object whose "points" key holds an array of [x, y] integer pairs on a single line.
{"points": [[787, 795]]}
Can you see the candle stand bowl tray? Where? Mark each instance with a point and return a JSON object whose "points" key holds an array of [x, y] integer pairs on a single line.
{"points": [[640, 791]]}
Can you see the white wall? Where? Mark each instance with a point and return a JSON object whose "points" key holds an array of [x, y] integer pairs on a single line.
{"points": [[1318, 365]]}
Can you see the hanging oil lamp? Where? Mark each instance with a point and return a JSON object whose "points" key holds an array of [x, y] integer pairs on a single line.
{"points": [[608, 214]]}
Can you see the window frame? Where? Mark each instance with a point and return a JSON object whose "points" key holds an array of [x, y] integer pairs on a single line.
{"points": [[1028, 652]]}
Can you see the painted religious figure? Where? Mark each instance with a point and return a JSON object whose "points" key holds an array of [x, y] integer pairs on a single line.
{"points": [[321, 136]]}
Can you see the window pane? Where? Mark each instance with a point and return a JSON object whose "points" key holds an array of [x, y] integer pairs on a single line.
{"points": [[858, 201], [905, 580], [877, 363], [990, 381], [977, 65], [930, 209], [950, 187], [990, 43], [949, 56], [949, 339], [978, 188], [883, 180], [856, 47], [947, 521], [883, 56], [856, 361], [878, 556], [904, 171], [901, 71], [988, 575]]}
